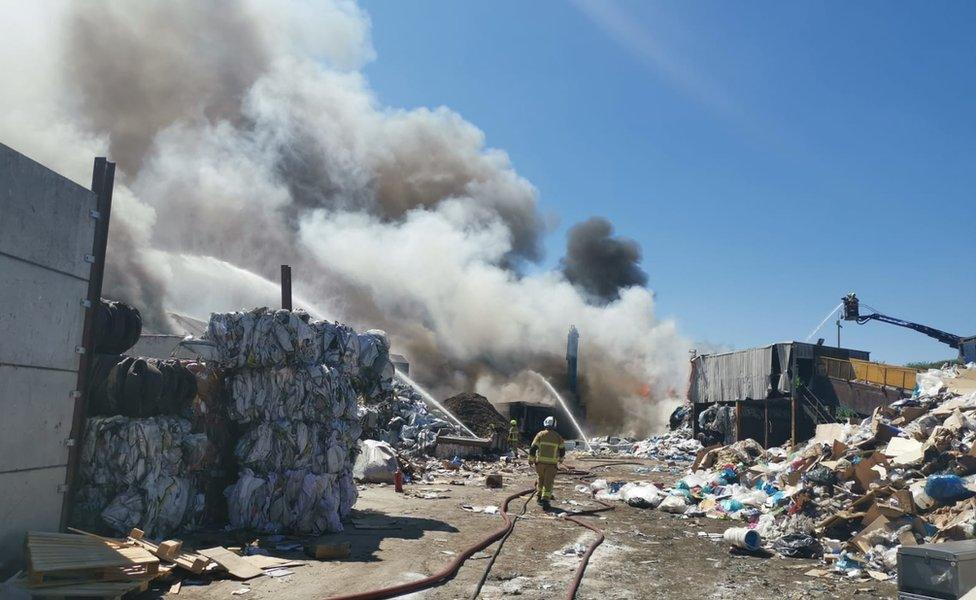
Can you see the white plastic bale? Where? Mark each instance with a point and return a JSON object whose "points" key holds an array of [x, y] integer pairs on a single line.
{"points": [[295, 501], [286, 445], [266, 338], [136, 473], [306, 393]]}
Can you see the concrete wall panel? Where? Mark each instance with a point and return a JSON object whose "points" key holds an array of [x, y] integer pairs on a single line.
{"points": [[41, 316], [46, 230], [36, 406], [44, 217], [29, 501]]}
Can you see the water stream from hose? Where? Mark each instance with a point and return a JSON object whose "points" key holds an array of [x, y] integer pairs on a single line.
{"points": [[430, 400], [827, 318], [562, 403]]}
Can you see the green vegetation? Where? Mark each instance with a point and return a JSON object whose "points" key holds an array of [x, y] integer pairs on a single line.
{"points": [[843, 413], [933, 365]]}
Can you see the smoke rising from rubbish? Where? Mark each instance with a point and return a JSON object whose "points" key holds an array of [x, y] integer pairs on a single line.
{"points": [[246, 138]]}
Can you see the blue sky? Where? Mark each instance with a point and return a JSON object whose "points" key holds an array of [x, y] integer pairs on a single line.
{"points": [[769, 157]]}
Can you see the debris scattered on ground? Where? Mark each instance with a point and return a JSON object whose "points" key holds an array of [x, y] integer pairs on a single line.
{"points": [[854, 493]]}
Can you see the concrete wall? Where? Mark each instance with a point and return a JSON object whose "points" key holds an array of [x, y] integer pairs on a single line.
{"points": [[46, 230]]}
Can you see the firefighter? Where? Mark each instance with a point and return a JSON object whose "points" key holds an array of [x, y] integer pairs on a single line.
{"points": [[513, 437], [547, 451]]}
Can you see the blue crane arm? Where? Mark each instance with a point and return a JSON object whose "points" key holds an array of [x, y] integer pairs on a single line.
{"points": [[943, 336]]}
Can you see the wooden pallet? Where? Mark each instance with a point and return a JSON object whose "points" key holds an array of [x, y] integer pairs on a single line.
{"points": [[57, 558], [84, 589]]}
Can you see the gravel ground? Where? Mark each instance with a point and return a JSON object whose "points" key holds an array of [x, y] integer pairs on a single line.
{"points": [[647, 554]]}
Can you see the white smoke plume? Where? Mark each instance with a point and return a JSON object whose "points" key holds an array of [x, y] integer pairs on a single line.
{"points": [[247, 138]]}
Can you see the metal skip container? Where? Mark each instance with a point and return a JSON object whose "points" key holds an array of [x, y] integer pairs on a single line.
{"points": [[936, 571]]}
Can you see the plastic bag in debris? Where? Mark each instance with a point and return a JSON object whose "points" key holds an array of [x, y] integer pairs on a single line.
{"points": [[598, 484], [295, 501], [314, 393], [748, 497], [376, 463], [947, 488], [821, 475], [289, 445], [641, 495], [673, 504], [929, 383], [797, 545]]}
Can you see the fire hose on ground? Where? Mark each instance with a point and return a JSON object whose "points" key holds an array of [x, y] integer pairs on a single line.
{"points": [[454, 566]]}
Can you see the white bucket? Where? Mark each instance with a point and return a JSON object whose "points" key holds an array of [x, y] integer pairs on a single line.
{"points": [[743, 537]]}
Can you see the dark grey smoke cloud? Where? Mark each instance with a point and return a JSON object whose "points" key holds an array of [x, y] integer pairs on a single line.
{"points": [[598, 263]]}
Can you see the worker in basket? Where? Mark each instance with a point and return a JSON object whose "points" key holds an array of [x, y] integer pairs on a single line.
{"points": [[547, 451]]}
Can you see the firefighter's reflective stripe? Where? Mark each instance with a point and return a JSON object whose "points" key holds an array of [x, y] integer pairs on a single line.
{"points": [[513, 435], [548, 453]]}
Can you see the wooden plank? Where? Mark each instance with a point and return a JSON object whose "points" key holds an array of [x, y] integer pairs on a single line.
{"points": [[235, 565]]}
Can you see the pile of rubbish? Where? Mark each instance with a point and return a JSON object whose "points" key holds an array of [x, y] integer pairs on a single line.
{"points": [[477, 414], [678, 445], [854, 493], [294, 385], [402, 420], [141, 473]]}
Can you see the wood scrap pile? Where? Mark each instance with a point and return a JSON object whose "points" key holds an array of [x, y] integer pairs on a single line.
{"points": [[87, 565]]}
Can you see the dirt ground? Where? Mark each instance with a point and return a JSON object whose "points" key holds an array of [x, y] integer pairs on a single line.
{"points": [[647, 553]]}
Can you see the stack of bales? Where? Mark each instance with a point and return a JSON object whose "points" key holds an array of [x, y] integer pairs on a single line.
{"points": [[141, 461], [294, 387]]}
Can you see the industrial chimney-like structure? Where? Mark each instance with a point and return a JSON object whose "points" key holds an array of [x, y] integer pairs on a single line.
{"points": [[572, 374], [572, 361]]}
